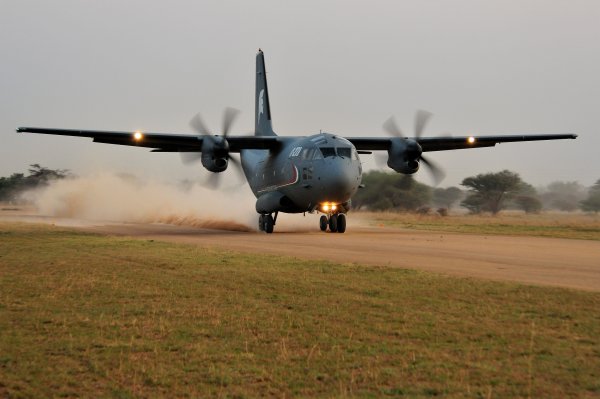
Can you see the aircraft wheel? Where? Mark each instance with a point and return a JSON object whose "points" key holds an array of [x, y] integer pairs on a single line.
{"points": [[333, 226], [323, 223], [341, 223], [261, 223], [269, 223]]}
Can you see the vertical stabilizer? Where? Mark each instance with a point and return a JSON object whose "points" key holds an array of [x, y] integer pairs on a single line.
{"points": [[262, 114]]}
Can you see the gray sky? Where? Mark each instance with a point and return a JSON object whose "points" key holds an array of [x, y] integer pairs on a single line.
{"points": [[482, 67]]}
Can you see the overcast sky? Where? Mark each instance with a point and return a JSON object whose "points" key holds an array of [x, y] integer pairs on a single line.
{"points": [[482, 67]]}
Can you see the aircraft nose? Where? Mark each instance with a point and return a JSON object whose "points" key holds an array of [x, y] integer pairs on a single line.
{"points": [[340, 180]]}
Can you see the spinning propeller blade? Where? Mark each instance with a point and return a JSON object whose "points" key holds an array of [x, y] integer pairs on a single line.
{"points": [[229, 116], [213, 181], [436, 171], [197, 124], [392, 128], [421, 119]]}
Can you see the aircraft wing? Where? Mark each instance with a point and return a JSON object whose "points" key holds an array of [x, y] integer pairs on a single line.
{"points": [[159, 142], [452, 143]]}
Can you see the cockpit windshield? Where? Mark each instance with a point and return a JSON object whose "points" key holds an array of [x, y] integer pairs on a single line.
{"points": [[328, 151], [344, 152], [310, 153]]}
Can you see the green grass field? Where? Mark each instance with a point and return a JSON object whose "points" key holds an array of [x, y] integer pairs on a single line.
{"points": [[88, 315], [549, 224]]}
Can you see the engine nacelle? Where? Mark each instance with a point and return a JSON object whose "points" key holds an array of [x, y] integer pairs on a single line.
{"points": [[215, 153], [403, 155]]}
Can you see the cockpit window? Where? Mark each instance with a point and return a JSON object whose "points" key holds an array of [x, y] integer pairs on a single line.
{"points": [[308, 154], [344, 152], [328, 151]]}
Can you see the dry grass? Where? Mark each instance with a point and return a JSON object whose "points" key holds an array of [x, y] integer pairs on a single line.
{"points": [[550, 224], [86, 315]]}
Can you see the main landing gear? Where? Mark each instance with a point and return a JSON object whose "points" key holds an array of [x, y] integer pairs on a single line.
{"points": [[266, 223], [335, 222]]}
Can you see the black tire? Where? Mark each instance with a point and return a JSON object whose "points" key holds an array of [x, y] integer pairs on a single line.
{"points": [[323, 222], [261, 223], [269, 224], [333, 223], [341, 223]]}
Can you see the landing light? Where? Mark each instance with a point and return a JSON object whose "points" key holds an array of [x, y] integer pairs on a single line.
{"points": [[326, 207], [471, 139], [138, 136]]}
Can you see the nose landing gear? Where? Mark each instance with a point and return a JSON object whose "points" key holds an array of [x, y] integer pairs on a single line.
{"points": [[335, 222], [323, 222], [266, 223]]}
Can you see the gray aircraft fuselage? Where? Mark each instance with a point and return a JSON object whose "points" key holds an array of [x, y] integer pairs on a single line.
{"points": [[305, 173]]}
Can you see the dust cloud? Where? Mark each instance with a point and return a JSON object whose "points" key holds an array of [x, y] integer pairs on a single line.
{"points": [[123, 198], [126, 198]]}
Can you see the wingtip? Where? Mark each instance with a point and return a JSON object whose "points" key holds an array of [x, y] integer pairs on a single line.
{"points": [[21, 129]]}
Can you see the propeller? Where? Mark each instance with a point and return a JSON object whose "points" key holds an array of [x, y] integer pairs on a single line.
{"points": [[436, 171], [229, 116], [421, 119], [197, 124], [392, 128]]}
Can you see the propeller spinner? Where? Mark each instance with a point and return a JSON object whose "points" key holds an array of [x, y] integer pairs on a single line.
{"points": [[411, 148], [215, 154]]}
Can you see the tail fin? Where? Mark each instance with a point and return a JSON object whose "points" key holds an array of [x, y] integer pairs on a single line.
{"points": [[262, 122]]}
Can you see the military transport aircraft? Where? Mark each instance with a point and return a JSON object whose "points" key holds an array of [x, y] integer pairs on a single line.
{"points": [[317, 173]]}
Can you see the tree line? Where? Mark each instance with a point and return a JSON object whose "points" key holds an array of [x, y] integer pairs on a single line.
{"points": [[12, 186], [483, 193], [388, 191]]}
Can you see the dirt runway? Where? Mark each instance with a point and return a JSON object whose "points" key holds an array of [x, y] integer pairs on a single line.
{"points": [[545, 261]]}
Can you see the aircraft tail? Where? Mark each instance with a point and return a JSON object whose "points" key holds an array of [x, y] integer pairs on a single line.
{"points": [[262, 121]]}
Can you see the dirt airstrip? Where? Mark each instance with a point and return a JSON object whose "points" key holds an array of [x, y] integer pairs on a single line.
{"points": [[545, 261]]}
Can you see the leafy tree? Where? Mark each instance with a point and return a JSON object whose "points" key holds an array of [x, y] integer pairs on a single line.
{"points": [[564, 196], [527, 199], [391, 191], [11, 187], [41, 175], [528, 203], [446, 197], [592, 202], [490, 191]]}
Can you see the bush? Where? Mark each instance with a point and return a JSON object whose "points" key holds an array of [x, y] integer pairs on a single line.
{"points": [[391, 191], [592, 202]]}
